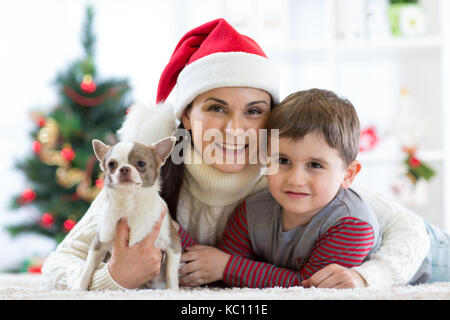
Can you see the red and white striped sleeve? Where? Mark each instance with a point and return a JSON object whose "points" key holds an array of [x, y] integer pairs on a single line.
{"points": [[347, 243], [186, 239], [242, 270], [235, 239]]}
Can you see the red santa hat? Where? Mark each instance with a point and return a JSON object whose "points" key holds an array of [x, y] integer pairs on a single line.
{"points": [[215, 55]]}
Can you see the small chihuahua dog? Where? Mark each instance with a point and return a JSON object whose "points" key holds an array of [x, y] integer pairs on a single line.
{"points": [[132, 187]]}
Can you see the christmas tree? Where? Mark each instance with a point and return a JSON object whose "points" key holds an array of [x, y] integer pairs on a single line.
{"points": [[62, 172]]}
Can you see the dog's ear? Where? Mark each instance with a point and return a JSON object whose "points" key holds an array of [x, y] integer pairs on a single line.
{"points": [[100, 150], [164, 147]]}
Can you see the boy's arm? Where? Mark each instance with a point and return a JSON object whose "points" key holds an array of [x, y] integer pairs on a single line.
{"points": [[242, 270], [332, 247], [235, 239], [347, 243], [185, 238]]}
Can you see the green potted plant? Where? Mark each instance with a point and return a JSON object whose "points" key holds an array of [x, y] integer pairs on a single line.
{"points": [[406, 17]]}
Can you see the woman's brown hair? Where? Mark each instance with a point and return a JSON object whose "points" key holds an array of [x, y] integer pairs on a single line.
{"points": [[172, 176]]}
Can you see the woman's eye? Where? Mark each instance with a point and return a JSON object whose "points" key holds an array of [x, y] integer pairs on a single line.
{"points": [[315, 165], [254, 111], [283, 161], [216, 108], [112, 165], [141, 164]]}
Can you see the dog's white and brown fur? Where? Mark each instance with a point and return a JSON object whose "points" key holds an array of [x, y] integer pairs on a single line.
{"points": [[132, 185]]}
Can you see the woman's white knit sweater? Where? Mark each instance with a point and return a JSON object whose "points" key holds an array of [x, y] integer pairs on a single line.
{"points": [[207, 199]]}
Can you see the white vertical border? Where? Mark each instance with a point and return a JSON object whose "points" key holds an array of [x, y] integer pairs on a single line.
{"points": [[445, 105]]}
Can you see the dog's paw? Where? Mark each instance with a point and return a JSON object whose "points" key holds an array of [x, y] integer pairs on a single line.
{"points": [[83, 285]]}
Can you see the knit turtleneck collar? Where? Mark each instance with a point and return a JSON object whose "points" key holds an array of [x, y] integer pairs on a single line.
{"points": [[216, 188]]}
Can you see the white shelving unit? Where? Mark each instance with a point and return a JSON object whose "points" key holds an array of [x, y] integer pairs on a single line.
{"points": [[304, 39], [371, 72]]}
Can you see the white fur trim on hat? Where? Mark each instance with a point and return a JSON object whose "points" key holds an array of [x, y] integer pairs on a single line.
{"points": [[225, 69], [148, 123]]}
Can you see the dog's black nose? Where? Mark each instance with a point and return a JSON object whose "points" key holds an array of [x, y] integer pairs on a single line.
{"points": [[125, 171]]}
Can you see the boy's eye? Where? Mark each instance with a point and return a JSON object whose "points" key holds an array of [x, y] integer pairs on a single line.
{"points": [[112, 165], [141, 164], [283, 161], [315, 165]]}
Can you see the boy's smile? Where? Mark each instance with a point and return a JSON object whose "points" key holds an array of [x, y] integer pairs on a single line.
{"points": [[309, 176], [296, 195]]}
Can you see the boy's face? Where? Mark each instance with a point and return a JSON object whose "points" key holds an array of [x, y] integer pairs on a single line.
{"points": [[309, 176]]}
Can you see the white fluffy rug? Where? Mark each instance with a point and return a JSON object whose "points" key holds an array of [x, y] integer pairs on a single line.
{"points": [[26, 287]]}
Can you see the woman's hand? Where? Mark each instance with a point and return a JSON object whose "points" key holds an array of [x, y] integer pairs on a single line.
{"points": [[204, 264], [133, 266], [335, 276]]}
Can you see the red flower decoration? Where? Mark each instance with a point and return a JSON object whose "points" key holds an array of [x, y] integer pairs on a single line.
{"points": [[368, 139], [414, 162]]}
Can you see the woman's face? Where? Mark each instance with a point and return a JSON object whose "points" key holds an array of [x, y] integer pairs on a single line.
{"points": [[224, 123]]}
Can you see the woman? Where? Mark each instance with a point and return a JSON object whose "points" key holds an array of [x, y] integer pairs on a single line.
{"points": [[224, 82]]}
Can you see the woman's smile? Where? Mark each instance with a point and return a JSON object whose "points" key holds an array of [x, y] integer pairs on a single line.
{"points": [[231, 149]]}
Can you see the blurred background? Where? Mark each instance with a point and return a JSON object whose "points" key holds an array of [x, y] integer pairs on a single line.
{"points": [[69, 73]]}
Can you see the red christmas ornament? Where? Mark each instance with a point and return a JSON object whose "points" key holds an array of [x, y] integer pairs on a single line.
{"points": [[68, 154], [69, 224], [41, 121], [414, 162], [88, 85], [28, 195], [47, 220], [34, 269], [99, 183], [36, 146]]}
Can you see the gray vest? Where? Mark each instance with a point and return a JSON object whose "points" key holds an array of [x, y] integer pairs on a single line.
{"points": [[292, 249]]}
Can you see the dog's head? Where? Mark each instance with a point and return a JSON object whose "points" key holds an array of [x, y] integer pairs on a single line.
{"points": [[132, 164]]}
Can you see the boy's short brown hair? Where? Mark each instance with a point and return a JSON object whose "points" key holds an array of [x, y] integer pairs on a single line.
{"points": [[319, 111]]}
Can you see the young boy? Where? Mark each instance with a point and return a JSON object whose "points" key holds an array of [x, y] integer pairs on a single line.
{"points": [[309, 218]]}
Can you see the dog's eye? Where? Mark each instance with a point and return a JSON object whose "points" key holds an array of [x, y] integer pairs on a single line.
{"points": [[141, 164], [112, 165]]}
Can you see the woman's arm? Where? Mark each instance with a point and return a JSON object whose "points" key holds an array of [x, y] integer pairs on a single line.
{"points": [[62, 269], [129, 267], [405, 243]]}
